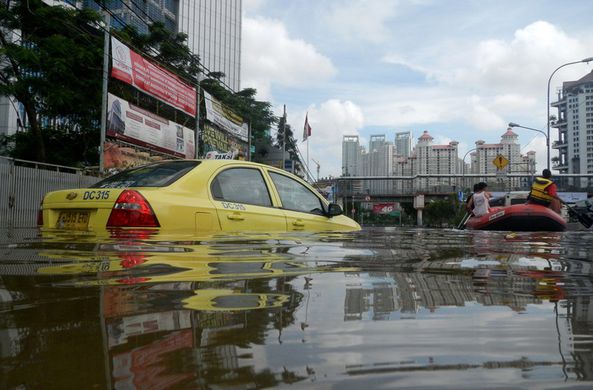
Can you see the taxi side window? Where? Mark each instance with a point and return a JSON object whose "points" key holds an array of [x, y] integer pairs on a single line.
{"points": [[295, 196], [241, 185]]}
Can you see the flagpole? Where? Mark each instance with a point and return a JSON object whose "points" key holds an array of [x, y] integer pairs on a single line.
{"points": [[308, 155]]}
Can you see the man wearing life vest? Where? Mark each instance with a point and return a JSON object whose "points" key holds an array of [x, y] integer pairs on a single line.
{"points": [[544, 192]]}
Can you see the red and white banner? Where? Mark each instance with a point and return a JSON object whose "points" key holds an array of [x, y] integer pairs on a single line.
{"points": [[130, 67], [140, 127], [306, 128], [383, 208]]}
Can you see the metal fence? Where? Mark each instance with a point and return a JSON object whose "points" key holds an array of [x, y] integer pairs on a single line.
{"points": [[23, 184]]}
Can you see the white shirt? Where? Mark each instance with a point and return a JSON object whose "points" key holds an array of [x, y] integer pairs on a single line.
{"points": [[481, 204]]}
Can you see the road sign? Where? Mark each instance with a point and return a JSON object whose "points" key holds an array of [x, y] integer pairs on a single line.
{"points": [[500, 161]]}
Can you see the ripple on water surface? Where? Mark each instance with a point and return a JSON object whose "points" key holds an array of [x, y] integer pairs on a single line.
{"points": [[376, 308]]}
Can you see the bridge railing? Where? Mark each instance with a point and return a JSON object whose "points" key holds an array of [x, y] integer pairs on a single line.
{"points": [[451, 183]]}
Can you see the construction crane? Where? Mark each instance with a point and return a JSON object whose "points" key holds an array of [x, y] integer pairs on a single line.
{"points": [[318, 166]]}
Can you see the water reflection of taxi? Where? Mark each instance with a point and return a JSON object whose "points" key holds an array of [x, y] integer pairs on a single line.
{"points": [[231, 300], [196, 196]]}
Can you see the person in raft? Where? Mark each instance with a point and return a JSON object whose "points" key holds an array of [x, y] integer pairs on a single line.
{"points": [[480, 201], [469, 207], [544, 192]]}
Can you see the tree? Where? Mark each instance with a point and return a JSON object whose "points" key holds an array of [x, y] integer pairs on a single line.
{"points": [[53, 68], [285, 139]]}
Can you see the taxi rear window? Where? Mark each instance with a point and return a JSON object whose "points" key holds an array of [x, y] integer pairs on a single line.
{"points": [[153, 175]]}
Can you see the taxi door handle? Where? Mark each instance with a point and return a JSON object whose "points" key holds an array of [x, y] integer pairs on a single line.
{"points": [[235, 217], [298, 223]]}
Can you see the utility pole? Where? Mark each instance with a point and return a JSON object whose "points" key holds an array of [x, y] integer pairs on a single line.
{"points": [[104, 93], [284, 140]]}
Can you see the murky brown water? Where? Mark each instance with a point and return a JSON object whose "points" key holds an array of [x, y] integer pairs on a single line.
{"points": [[380, 308]]}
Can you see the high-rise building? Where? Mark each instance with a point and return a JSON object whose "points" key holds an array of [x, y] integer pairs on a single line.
{"points": [[350, 155], [482, 160], [380, 164], [213, 29], [483, 157], [403, 143], [435, 159], [575, 127]]}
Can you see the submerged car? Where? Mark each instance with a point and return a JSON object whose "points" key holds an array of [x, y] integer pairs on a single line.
{"points": [[196, 196]]}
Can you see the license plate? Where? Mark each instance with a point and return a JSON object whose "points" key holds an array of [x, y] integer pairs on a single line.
{"points": [[73, 220]]}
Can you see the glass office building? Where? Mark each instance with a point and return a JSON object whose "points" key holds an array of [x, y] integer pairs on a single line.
{"points": [[213, 28]]}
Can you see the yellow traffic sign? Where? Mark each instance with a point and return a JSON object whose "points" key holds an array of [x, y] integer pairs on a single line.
{"points": [[500, 161]]}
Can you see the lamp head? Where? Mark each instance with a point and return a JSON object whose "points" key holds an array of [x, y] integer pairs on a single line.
{"points": [[513, 124], [589, 59]]}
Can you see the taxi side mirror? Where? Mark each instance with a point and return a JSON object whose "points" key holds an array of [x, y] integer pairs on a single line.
{"points": [[334, 209]]}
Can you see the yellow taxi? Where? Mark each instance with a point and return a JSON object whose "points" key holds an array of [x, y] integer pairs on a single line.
{"points": [[195, 196]]}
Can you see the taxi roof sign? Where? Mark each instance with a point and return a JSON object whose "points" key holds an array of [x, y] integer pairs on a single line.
{"points": [[500, 161]]}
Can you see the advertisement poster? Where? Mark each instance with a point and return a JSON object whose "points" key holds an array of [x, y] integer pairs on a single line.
{"points": [[219, 144], [137, 126], [131, 68], [383, 208], [119, 157], [225, 118]]}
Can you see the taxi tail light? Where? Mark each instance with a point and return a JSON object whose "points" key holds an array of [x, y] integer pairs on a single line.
{"points": [[132, 210], [131, 260]]}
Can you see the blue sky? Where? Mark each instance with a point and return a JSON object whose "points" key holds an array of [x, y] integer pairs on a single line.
{"points": [[459, 69]]}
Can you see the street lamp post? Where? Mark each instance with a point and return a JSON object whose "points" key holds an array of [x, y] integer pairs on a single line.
{"points": [[464, 156], [512, 124], [587, 60], [463, 166]]}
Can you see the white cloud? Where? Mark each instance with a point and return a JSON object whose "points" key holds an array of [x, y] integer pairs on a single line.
{"points": [[250, 6], [329, 123], [484, 83], [481, 117], [362, 20], [522, 64], [270, 57]]}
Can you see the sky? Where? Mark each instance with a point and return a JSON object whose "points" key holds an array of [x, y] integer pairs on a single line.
{"points": [[459, 69]]}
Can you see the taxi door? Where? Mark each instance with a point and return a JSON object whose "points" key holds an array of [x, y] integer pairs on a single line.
{"points": [[304, 210], [243, 203]]}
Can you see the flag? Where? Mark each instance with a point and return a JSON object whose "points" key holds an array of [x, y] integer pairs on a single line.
{"points": [[306, 128]]}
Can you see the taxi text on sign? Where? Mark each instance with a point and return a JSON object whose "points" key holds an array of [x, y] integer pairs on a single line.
{"points": [[500, 161]]}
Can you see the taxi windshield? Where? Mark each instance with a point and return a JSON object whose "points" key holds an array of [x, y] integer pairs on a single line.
{"points": [[153, 175]]}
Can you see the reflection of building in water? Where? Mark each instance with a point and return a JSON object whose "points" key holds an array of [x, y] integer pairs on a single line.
{"points": [[579, 313], [378, 297], [408, 291], [580, 319]]}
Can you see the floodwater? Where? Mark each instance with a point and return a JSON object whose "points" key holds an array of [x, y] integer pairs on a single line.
{"points": [[381, 308]]}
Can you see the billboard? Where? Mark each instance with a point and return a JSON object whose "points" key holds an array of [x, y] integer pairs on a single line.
{"points": [[123, 156], [137, 126], [224, 118], [131, 68], [218, 142], [384, 208]]}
